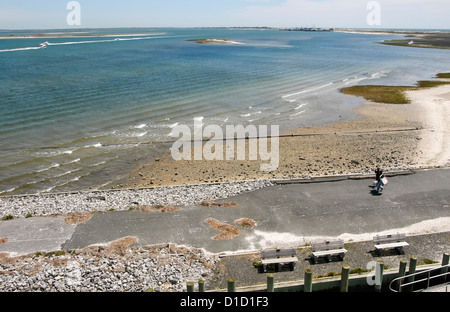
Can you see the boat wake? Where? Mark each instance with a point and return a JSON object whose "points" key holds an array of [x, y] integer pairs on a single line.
{"points": [[46, 44]]}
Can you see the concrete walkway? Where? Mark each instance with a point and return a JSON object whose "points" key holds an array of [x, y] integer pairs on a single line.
{"points": [[286, 215]]}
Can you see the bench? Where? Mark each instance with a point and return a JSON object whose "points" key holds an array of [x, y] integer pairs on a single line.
{"points": [[328, 249], [392, 241], [278, 257]]}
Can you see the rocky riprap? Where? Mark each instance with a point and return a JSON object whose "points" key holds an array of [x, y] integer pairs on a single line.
{"points": [[119, 200], [122, 265], [119, 267]]}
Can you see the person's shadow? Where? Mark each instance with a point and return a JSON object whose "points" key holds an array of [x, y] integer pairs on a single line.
{"points": [[373, 190], [375, 193]]}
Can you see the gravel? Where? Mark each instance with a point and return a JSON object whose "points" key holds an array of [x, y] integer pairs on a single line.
{"points": [[20, 206], [118, 267], [99, 269]]}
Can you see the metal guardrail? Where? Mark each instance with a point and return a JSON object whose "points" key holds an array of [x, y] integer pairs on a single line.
{"points": [[432, 278]]}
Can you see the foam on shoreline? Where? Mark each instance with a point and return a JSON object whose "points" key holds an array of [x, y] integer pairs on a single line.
{"points": [[263, 239]]}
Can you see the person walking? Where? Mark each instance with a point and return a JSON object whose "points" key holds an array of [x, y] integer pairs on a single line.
{"points": [[379, 176]]}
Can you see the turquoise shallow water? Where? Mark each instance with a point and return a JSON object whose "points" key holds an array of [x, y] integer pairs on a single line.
{"points": [[82, 112]]}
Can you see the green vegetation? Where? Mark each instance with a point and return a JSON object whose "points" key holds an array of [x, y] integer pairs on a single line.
{"points": [[359, 271], [8, 217], [429, 41], [49, 254], [423, 84], [425, 261], [391, 94], [406, 43], [329, 274], [380, 94], [443, 75]]}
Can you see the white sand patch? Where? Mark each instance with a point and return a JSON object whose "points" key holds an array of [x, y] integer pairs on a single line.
{"points": [[224, 41], [424, 227], [264, 240], [433, 110]]}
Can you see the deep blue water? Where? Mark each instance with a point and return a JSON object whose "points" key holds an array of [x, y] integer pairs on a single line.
{"points": [[84, 111]]}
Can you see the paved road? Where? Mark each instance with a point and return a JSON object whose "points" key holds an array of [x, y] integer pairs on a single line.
{"points": [[286, 215]]}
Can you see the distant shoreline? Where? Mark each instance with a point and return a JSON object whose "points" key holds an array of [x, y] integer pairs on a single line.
{"points": [[77, 35], [391, 31], [430, 39]]}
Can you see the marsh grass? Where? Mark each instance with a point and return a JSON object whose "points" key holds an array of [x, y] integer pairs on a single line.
{"points": [[392, 94], [443, 75], [423, 84], [436, 41], [380, 94]]}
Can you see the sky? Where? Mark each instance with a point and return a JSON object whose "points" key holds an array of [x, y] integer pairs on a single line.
{"points": [[58, 14]]}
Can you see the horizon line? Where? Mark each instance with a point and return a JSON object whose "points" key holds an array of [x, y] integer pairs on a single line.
{"points": [[222, 27]]}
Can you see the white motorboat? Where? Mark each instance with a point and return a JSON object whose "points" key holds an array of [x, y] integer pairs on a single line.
{"points": [[44, 45]]}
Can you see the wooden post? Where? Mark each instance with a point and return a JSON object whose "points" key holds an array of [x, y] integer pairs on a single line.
{"points": [[379, 276], [402, 272], [445, 261], [231, 282], [201, 286], [270, 282], [412, 265], [412, 270], [344, 278], [308, 281], [190, 287]]}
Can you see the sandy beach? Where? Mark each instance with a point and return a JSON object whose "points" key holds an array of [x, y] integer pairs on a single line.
{"points": [[433, 110], [391, 136]]}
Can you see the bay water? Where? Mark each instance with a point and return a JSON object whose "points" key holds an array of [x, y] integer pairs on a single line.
{"points": [[90, 105]]}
